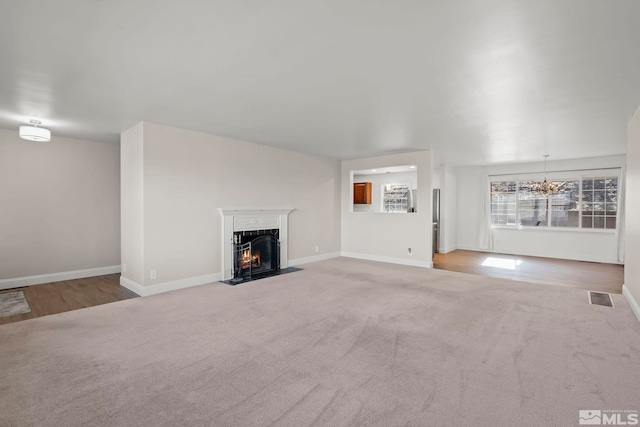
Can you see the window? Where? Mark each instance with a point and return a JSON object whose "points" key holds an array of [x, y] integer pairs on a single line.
{"points": [[395, 197], [503, 203], [565, 207], [599, 202], [532, 206], [588, 203]]}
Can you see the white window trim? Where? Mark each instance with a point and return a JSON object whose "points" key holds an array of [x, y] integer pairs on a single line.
{"points": [[555, 177]]}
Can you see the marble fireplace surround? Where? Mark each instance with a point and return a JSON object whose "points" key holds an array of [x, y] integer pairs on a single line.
{"points": [[252, 219]]}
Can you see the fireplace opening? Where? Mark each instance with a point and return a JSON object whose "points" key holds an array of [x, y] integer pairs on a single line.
{"points": [[256, 254]]}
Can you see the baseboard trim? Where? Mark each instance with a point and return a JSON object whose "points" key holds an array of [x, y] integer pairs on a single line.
{"points": [[391, 260], [632, 301], [542, 255], [134, 287], [145, 291], [57, 277], [314, 258], [446, 250]]}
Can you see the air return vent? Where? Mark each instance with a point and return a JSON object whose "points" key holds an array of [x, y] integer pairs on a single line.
{"points": [[600, 298]]}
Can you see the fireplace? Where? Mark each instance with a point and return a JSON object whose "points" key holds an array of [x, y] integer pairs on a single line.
{"points": [[237, 221], [256, 254]]}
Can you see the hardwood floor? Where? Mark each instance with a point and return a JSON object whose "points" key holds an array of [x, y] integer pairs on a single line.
{"points": [[58, 297], [578, 274]]}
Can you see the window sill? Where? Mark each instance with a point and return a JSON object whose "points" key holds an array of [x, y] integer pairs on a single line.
{"points": [[561, 229]]}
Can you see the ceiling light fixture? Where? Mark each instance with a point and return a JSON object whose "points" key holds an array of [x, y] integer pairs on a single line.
{"points": [[34, 133], [546, 187]]}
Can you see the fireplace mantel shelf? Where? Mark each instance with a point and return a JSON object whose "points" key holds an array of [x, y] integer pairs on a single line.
{"points": [[230, 211]]}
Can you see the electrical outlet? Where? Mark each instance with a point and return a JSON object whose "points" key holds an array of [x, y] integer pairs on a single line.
{"points": [[317, 249], [409, 251], [153, 274], [124, 268]]}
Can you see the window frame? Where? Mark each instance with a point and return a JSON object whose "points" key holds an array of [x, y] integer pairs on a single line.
{"points": [[607, 174]]}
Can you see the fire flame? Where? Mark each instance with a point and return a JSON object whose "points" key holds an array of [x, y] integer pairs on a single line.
{"points": [[250, 261]]}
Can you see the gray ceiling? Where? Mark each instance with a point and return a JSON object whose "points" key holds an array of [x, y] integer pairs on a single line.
{"points": [[477, 81]]}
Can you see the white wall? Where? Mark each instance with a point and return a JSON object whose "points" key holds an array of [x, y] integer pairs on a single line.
{"points": [[132, 196], [59, 207], [189, 175], [387, 236], [377, 182], [435, 177], [448, 209], [596, 245], [632, 241], [444, 179]]}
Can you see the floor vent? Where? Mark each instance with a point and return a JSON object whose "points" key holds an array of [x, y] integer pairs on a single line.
{"points": [[600, 298]]}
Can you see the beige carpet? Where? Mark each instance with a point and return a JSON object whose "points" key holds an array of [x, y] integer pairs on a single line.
{"points": [[343, 342]]}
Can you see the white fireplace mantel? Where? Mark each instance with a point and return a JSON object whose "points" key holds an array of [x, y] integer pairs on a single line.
{"points": [[252, 219]]}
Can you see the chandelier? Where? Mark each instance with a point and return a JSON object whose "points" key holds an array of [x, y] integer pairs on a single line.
{"points": [[546, 187]]}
